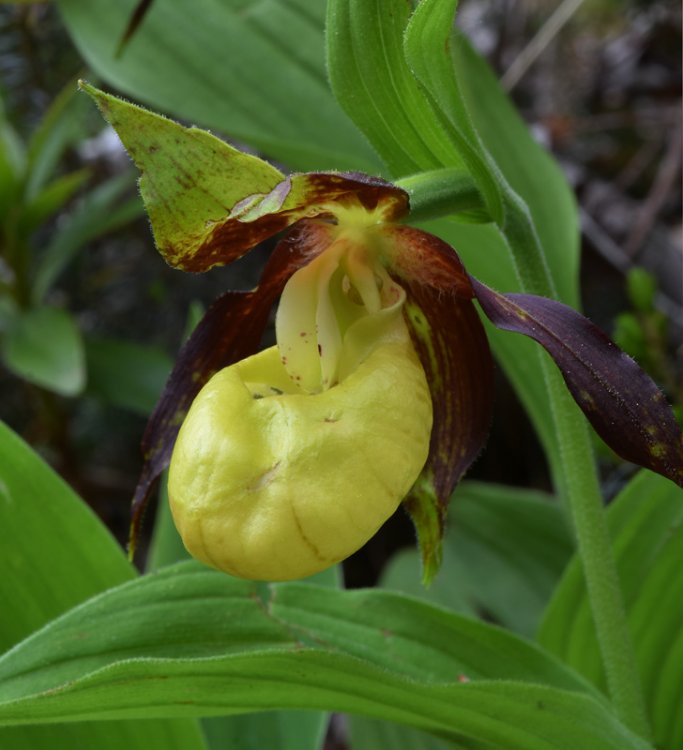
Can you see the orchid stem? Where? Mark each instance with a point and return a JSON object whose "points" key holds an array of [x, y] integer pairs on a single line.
{"points": [[441, 192], [579, 484], [575, 472]]}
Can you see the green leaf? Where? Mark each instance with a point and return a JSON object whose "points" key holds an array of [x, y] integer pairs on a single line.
{"points": [[44, 346], [48, 536], [526, 166], [466, 90], [372, 82], [197, 613], [427, 46], [646, 521], [54, 553], [253, 71], [188, 641], [126, 374], [504, 551]]}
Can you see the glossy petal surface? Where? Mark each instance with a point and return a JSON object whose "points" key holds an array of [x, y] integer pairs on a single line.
{"points": [[268, 483]]}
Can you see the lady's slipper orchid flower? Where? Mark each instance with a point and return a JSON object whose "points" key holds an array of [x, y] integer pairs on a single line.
{"points": [[379, 390]]}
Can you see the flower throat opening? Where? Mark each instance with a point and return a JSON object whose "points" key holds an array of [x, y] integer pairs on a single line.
{"points": [[336, 310]]}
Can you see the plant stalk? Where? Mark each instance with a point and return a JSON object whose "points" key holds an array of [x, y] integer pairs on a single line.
{"points": [[447, 191], [441, 192], [581, 490]]}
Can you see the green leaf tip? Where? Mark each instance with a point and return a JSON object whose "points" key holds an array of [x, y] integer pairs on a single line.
{"points": [[98, 96]]}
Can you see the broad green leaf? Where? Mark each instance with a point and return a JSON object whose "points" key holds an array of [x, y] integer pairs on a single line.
{"points": [[197, 613], [527, 167], [126, 374], [646, 521], [44, 346], [253, 71], [372, 82], [101, 210], [530, 171], [492, 714], [504, 551], [427, 47], [188, 641], [464, 86], [48, 537], [54, 553]]}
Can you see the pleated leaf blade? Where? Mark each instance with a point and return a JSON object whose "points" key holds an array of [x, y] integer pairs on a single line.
{"points": [[188, 641]]}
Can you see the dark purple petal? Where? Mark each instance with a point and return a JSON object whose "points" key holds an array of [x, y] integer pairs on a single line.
{"points": [[230, 330], [622, 403], [452, 345]]}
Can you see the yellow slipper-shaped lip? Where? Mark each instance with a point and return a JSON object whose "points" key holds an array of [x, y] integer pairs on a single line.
{"points": [[271, 484]]}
